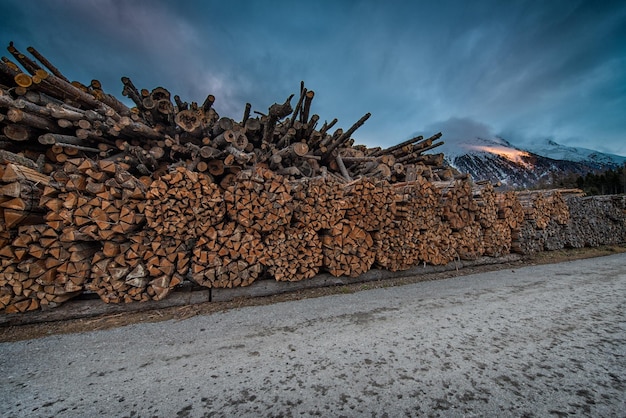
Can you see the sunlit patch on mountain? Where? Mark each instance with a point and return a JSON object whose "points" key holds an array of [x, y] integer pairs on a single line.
{"points": [[511, 154]]}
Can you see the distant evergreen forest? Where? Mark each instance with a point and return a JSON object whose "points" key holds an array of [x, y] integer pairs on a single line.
{"points": [[611, 181]]}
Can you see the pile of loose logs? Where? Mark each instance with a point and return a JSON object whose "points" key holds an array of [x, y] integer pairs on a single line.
{"points": [[56, 120]]}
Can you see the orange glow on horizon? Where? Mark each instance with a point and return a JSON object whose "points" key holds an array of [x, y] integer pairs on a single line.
{"points": [[508, 153]]}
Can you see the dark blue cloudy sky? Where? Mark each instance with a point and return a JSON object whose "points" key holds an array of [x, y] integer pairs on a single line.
{"points": [[523, 69]]}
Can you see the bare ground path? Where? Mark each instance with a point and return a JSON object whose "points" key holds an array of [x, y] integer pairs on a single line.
{"points": [[527, 341]]}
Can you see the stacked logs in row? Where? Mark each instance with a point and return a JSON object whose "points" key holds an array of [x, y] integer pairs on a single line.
{"points": [[591, 221], [542, 209], [496, 228], [416, 233], [183, 204], [461, 211], [81, 249]]}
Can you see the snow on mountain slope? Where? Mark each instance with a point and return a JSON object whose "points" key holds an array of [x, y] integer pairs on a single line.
{"points": [[551, 149]]}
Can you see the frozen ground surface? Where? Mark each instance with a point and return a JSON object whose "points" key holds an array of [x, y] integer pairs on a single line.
{"points": [[546, 340]]}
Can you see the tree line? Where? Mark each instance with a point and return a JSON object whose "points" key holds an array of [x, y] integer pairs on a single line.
{"points": [[611, 181]]}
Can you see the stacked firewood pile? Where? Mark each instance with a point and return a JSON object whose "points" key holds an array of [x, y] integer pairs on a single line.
{"points": [[544, 212], [594, 221], [128, 203], [407, 239], [495, 225]]}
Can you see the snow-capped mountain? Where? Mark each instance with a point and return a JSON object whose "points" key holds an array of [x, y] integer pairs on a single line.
{"points": [[551, 149], [498, 160]]}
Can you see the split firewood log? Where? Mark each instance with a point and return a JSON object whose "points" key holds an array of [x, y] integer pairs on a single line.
{"points": [[293, 253], [371, 204], [319, 202], [183, 204], [348, 249], [227, 255], [260, 199]]}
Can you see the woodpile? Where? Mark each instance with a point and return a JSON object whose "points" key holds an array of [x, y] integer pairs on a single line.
{"points": [[496, 232], [575, 221], [510, 210], [318, 202], [292, 254], [62, 120], [411, 238], [483, 193], [227, 255], [42, 268], [470, 241], [146, 266], [129, 203], [463, 213], [183, 204], [94, 200], [594, 221], [397, 245], [370, 204], [459, 209], [348, 249], [497, 239], [438, 245], [259, 199]]}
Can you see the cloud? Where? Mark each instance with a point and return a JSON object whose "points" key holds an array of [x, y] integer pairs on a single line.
{"points": [[541, 68], [456, 130]]}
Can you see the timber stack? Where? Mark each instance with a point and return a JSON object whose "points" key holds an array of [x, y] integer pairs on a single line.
{"points": [[544, 210], [496, 231], [131, 202]]}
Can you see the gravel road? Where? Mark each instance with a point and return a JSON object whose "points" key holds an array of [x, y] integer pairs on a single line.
{"points": [[541, 341]]}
